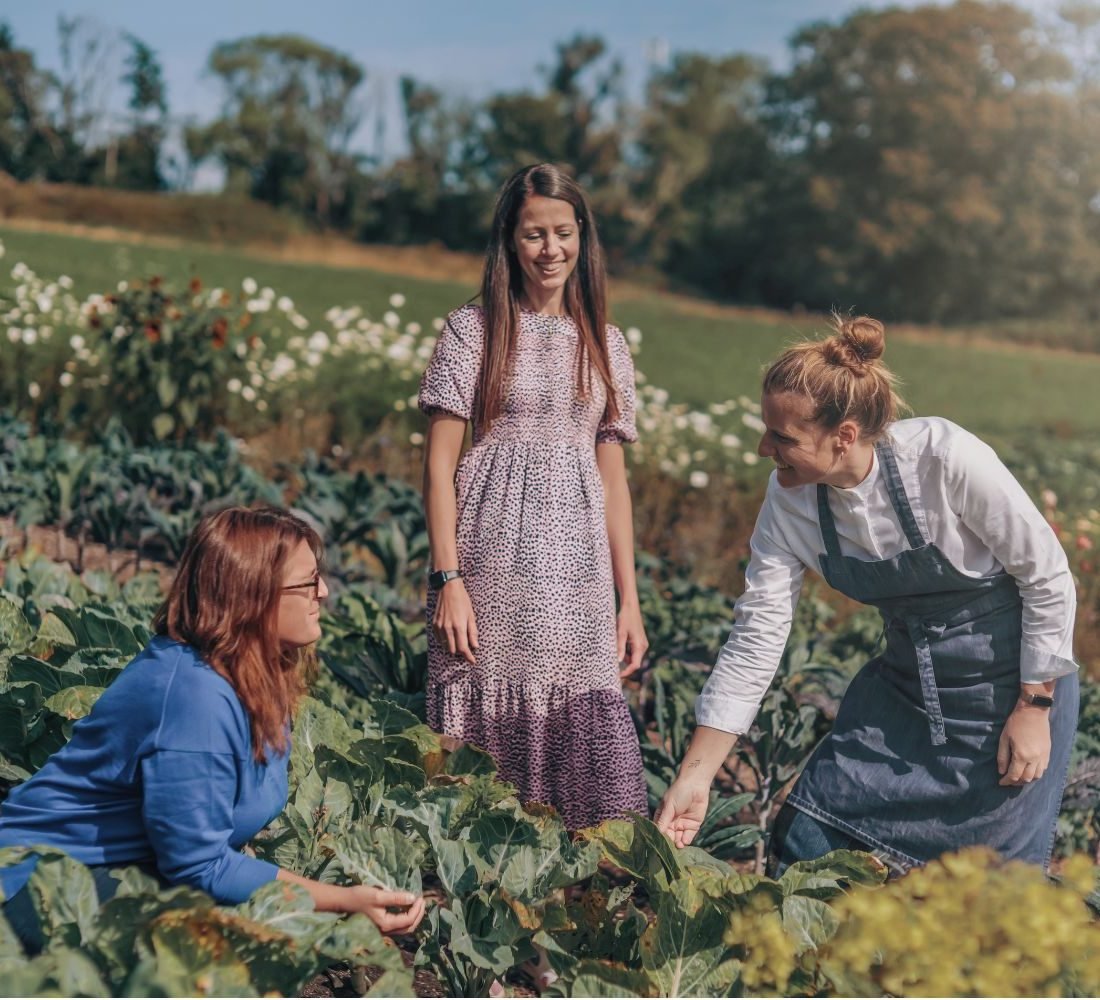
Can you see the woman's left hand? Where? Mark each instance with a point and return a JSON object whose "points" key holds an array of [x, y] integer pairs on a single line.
{"points": [[1024, 750], [632, 643]]}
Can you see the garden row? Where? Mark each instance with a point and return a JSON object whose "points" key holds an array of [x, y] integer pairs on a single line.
{"points": [[376, 797]]}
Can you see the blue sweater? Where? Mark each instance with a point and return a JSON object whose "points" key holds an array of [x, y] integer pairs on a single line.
{"points": [[161, 774]]}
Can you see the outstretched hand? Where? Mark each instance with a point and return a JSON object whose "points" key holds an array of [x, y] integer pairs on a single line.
{"points": [[682, 811]]}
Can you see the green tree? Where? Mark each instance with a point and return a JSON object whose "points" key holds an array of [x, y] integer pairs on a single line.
{"points": [[288, 116], [701, 156], [133, 159], [945, 171], [32, 145], [433, 191]]}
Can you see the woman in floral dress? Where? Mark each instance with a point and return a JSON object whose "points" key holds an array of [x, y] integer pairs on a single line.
{"points": [[531, 532]]}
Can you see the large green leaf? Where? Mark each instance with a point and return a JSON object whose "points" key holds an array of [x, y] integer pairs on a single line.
{"points": [[60, 971], [684, 949], [74, 702], [50, 679], [594, 978], [15, 631], [831, 874], [64, 897], [382, 857], [809, 922], [640, 848]]}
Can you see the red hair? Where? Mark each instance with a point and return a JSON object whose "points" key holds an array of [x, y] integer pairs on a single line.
{"points": [[224, 603]]}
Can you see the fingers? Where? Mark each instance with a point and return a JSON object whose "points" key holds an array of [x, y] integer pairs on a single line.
{"points": [[405, 923], [394, 897], [620, 642], [1003, 754], [401, 922], [471, 631], [1021, 771]]}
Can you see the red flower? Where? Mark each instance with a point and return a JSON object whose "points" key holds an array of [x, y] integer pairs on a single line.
{"points": [[195, 285], [219, 331], [152, 332]]}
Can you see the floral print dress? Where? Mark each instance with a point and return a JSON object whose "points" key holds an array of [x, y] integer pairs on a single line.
{"points": [[544, 697]]}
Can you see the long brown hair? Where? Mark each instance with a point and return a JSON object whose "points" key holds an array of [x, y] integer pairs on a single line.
{"points": [[224, 603], [584, 299], [843, 376]]}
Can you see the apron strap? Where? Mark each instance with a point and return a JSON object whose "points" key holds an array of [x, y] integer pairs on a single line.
{"points": [[828, 525], [919, 639], [898, 497]]}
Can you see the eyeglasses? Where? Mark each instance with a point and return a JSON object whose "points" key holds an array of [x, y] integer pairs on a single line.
{"points": [[313, 584]]}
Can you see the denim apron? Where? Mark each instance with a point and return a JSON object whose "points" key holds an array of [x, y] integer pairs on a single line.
{"points": [[910, 767]]}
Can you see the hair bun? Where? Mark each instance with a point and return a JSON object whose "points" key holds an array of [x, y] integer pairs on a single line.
{"points": [[859, 340]]}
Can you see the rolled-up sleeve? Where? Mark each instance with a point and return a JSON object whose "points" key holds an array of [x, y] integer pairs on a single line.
{"points": [[763, 614], [188, 812], [986, 497]]}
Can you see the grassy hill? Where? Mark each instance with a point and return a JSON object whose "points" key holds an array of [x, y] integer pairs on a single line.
{"points": [[701, 353]]}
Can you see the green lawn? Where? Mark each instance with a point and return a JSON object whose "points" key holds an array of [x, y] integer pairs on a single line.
{"points": [[698, 358]]}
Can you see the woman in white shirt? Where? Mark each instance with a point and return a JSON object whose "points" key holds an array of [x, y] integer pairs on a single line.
{"points": [[959, 731]]}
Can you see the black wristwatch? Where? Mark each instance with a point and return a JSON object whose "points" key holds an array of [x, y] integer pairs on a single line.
{"points": [[1038, 700], [441, 576]]}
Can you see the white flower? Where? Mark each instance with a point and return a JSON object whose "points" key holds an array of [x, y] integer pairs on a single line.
{"points": [[261, 405], [698, 479], [416, 438], [319, 341], [391, 319], [76, 342], [34, 390], [753, 422], [413, 329], [1049, 498], [122, 286], [248, 393], [750, 458], [313, 359], [267, 294], [233, 385], [397, 300], [730, 441], [438, 324], [43, 301], [13, 334], [241, 350], [30, 335], [2, 249], [64, 281], [633, 336], [118, 333], [249, 286], [66, 379], [285, 303], [256, 379], [400, 404]]}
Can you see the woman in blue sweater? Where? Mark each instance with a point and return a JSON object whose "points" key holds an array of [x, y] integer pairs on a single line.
{"points": [[184, 757]]}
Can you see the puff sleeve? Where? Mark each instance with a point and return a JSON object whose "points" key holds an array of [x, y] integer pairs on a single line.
{"points": [[450, 380], [622, 429]]}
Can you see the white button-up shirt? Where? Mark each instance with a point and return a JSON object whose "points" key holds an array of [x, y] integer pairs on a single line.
{"points": [[966, 503]]}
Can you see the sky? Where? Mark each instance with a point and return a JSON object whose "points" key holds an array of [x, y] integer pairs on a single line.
{"points": [[469, 49]]}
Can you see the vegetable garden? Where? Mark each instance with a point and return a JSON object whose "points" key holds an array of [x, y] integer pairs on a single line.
{"points": [[125, 419]]}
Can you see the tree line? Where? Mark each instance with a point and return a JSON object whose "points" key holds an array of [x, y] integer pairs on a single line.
{"points": [[932, 163]]}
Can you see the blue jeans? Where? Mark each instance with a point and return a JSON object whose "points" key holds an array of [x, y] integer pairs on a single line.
{"points": [[797, 836]]}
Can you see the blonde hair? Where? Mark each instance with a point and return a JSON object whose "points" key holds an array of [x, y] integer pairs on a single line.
{"points": [[843, 376]]}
